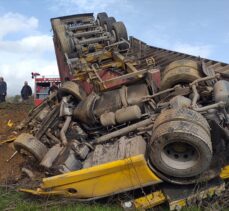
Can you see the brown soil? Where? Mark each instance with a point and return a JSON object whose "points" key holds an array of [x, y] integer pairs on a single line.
{"points": [[10, 172]]}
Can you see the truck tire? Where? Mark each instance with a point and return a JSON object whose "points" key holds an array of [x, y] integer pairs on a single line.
{"points": [[182, 114], [181, 71], [61, 34], [30, 144], [180, 147], [119, 31], [101, 17], [108, 24], [73, 89]]}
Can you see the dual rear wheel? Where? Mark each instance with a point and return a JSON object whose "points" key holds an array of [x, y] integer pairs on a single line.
{"points": [[182, 71], [116, 28], [181, 143]]}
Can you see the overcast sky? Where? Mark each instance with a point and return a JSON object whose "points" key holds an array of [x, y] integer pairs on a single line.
{"points": [[198, 27]]}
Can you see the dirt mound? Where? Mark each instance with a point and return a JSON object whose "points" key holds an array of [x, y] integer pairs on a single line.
{"points": [[13, 113], [10, 171]]}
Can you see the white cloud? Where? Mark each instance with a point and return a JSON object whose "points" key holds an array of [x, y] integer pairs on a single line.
{"points": [[15, 22], [196, 50], [19, 57], [34, 43], [19, 70]]}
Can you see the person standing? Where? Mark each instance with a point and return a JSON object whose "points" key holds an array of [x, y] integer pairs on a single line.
{"points": [[26, 91], [3, 89], [53, 88]]}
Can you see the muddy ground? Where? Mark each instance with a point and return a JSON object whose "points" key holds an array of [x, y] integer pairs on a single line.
{"points": [[10, 172]]}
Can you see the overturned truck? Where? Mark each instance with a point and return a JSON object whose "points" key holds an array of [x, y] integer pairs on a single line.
{"points": [[127, 116]]}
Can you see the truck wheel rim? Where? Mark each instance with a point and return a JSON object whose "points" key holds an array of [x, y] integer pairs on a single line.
{"points": [[180, 155]]}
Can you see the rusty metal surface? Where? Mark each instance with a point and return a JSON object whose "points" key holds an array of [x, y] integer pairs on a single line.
{"points": [[123, 89]]}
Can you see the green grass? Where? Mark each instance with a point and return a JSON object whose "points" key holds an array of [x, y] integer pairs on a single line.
{"points": [[10, 199], [13, 200]]}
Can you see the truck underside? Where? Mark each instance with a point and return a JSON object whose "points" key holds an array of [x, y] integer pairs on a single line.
{"points": [[127, 116]]}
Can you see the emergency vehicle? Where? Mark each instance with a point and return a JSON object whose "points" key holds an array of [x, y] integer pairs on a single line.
{"points": [[42, 86]]}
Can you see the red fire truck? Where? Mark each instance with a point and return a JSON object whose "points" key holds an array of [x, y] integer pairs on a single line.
{"points": [[42, 87]]}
